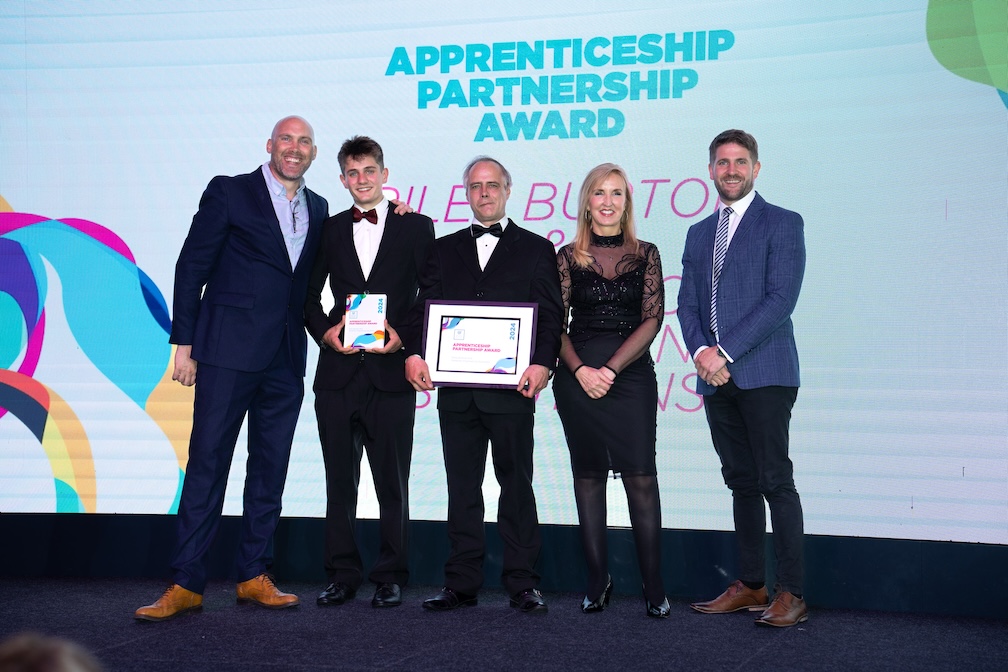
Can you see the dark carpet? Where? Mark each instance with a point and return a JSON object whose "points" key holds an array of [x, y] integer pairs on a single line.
{"points": [[225, 636]]}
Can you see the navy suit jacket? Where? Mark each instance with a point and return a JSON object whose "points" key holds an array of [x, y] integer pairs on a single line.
{"points": [[405, 245], [522, 269], [236, 295], [757, 292]]}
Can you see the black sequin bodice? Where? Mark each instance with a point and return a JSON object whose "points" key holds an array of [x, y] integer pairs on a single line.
{"points": [[606, 296]]}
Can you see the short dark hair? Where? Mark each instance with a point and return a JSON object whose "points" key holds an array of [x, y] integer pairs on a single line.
{"points": [[737, 137], [358, 147]]}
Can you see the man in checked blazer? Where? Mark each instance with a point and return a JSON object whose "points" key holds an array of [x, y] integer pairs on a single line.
{"points": [[362, 397], [743, 346]]}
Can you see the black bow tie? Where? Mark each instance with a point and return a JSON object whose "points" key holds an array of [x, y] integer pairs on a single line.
{"points": [[478, 230], [370, 215]]}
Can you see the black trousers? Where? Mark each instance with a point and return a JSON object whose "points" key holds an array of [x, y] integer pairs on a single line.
{"points": [[465, 436], [750, 433], [350, 420]]}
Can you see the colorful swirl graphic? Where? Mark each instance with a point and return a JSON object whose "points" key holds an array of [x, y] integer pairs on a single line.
{"points": [[504, 365], [365, 340], [119, 320], [353, 301]]}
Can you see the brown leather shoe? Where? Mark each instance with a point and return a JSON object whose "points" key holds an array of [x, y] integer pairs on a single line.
{"points": [[176, 600], [262, 591], [785, 610], [736, 598]]}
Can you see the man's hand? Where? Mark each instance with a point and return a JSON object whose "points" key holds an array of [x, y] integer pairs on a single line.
{"points": [[595, 382], [401, 207], [418, 374], [533, 380], [333, 340], [185, 366], [392, 341], [712, 366]]}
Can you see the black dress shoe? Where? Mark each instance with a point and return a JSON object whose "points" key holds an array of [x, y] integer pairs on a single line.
{"points": [[335, 593], [387, 595], [594, 606], [659, 611], [449, 599], [529, 601]]}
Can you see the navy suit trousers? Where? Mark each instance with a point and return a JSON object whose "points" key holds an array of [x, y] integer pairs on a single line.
{"points": [[272, 400]]}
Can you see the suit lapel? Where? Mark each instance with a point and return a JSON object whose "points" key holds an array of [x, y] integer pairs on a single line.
{"points": [[745, 229], [466, 248], [503, 249], [261, 196], [708, 231], [342, 248], [315, 221], [391, 222]]}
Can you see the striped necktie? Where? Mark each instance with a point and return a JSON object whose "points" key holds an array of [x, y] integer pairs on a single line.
{"points": [[720, 248]]}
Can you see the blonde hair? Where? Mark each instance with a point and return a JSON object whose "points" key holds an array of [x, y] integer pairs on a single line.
{"points": [[582, 236]]}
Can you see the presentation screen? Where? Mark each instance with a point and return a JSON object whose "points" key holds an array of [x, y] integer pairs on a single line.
{"points": [[885, 125]]}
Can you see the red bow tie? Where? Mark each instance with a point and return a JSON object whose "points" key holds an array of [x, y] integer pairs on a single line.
{"points": [[370, 215]]}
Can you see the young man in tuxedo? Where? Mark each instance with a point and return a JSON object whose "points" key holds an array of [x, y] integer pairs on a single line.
{"points": [[742, 272], [492, 260], [240, 286], [362, 398]]}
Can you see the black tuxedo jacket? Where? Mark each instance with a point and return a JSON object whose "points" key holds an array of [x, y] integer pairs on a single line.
{"points": [[522, 269], [405, 245], [236, 295]]}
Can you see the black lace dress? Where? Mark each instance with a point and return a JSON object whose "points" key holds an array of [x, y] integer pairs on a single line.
{"points": [[616, 306]]}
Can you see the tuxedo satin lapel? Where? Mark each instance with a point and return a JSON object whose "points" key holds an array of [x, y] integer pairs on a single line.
{"points": [[466, 248], [261, 195], [391, 229], [507, 243], [341, 248]]}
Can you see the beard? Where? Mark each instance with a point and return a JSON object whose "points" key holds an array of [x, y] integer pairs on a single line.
{"points": [[292, 172], [733, 192]]}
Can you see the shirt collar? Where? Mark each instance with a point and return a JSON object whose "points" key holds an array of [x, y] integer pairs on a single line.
{"points": [[740, 206]]}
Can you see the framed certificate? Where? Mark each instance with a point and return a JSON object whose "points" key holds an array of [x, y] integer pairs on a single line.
{"points": [[478, 344]]}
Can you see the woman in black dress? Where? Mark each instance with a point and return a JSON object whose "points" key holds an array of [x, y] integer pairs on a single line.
{"points": [[605, 388]]}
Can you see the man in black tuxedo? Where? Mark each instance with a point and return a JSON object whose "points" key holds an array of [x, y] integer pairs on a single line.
{"points": [[492, 260], [240, 285], [362, 398]]}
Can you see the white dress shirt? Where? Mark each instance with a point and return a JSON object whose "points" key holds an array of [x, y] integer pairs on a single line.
{"points": [[486, 244], [367, 237]]}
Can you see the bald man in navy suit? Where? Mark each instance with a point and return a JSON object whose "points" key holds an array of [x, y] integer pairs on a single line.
{"points": [[240, 287]]}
